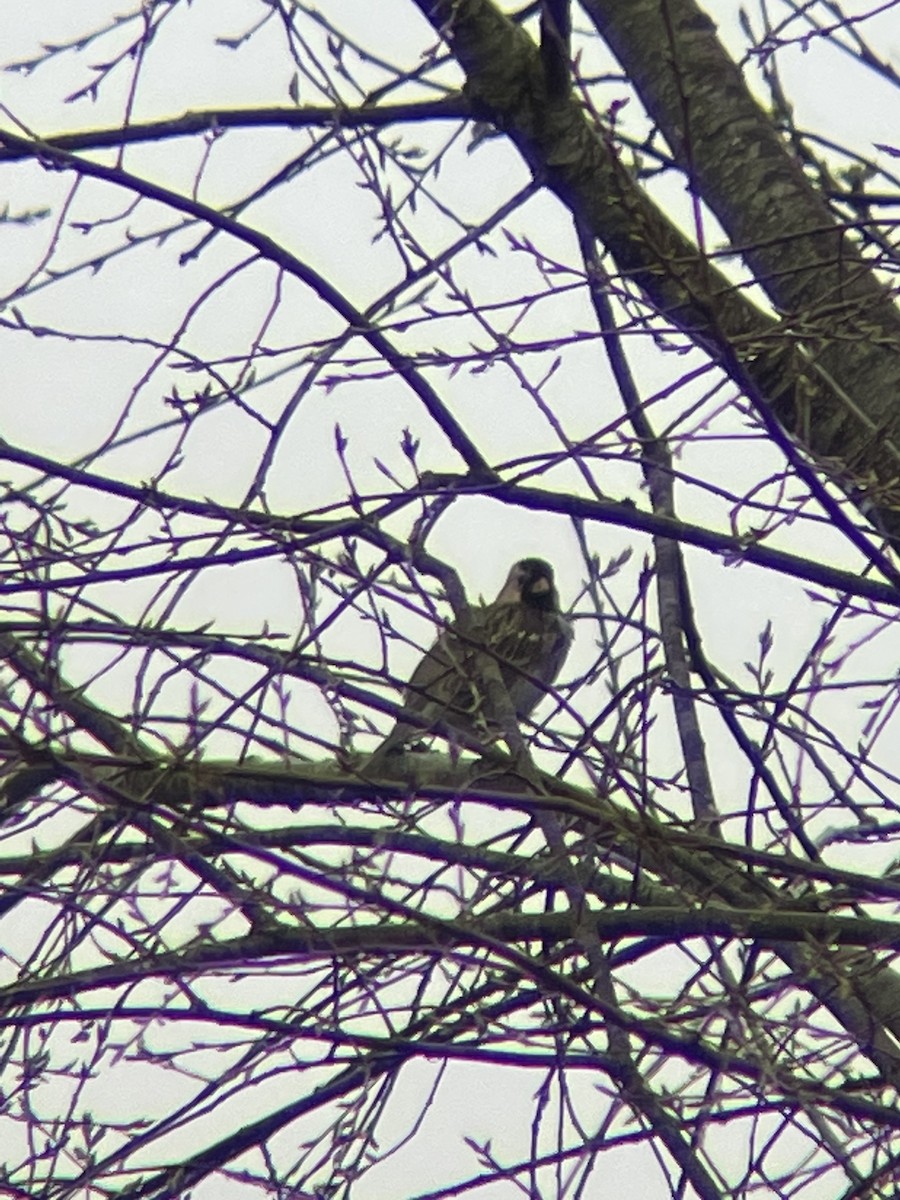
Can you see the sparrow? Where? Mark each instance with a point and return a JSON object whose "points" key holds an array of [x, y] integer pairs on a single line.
{"points": [[522, 630]]}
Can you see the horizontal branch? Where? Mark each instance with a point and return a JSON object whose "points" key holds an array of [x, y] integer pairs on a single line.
{"points": [[738, 550], [315, 531], [213, 121], [403, 937]]}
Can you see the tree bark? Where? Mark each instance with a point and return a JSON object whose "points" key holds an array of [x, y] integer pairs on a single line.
{"points": [[829, 369]]}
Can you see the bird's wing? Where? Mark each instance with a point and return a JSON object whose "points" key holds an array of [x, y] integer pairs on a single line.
{"points": [[530, 646], [441, 683], [442, 689]]}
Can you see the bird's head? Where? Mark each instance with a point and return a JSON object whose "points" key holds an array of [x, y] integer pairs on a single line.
{"points": [[530, 582]]}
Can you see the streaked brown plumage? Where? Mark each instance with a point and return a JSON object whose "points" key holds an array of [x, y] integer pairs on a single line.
{"points": [[522, 630]]}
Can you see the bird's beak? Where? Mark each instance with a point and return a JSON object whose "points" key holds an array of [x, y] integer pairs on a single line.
{"points": [[541, 585]]}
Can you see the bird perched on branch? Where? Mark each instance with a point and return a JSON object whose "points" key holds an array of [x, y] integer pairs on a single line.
{"points": [[522, 631]]}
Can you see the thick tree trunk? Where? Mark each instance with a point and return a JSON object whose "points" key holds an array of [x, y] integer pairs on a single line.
{"points": [[742, 168], [829, 370]]}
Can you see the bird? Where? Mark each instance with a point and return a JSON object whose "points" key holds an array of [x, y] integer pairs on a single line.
{"points": [[522, 630]]}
